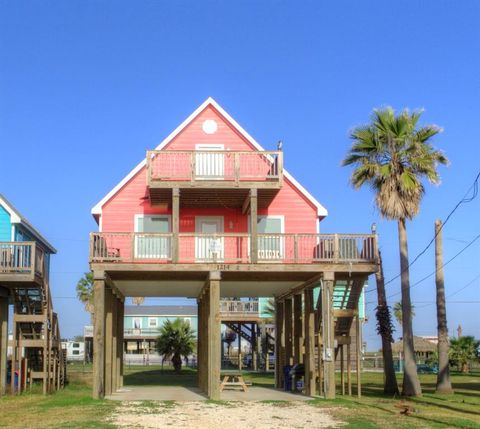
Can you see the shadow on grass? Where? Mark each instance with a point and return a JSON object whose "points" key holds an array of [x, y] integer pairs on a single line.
{"points": [[161, 377]]}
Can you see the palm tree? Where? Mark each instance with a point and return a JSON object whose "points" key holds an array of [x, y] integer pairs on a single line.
{"points": [[85, 292], [464, 350], [393, 155], [397, 311], [176, 340]]}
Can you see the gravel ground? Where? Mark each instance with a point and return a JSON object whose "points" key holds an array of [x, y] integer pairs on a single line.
{"points": [[229, 415]]}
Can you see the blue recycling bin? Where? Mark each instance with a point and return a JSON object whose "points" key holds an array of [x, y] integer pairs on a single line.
{"points": [[287, 385]]}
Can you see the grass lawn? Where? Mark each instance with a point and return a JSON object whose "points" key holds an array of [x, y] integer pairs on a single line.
{"points": [[74, 408]]}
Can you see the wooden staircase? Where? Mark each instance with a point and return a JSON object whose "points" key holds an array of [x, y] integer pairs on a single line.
{"points": [[37, 354]]}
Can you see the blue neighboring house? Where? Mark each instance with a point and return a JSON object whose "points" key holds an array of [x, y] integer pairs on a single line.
{"points": [[16, 228]]}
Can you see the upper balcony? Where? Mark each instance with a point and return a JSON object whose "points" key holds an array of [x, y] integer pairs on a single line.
{"points": [[21, 262], [229, 173]]}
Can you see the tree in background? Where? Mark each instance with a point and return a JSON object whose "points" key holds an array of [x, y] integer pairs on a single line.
{"points": [[176, 340], [397, 311], [392, 155], [85, 292], [385, 330], [463, 351]]}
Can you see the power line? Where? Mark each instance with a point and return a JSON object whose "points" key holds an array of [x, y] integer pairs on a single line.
{"points": [[434, 272], [455, 293], [463, 200]]}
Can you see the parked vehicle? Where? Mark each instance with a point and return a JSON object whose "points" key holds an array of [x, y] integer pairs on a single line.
{"points": [[423, 368]]}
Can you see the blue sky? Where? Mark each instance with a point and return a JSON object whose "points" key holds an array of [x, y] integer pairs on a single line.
{"points": [[86, 87]]}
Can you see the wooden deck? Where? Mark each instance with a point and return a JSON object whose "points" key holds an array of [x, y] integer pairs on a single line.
{"points": [[210, 178]]}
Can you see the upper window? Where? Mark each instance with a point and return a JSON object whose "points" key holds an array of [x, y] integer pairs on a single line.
{"points": [[152, 322], [269, 225], [152, 223]]}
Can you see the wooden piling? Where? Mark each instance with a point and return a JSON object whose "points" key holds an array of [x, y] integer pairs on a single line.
{"points": [[3, 342], [99, 339]]}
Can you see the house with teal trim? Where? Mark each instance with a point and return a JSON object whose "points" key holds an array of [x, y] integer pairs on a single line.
{"points": [[143, 322], [36, 352]]}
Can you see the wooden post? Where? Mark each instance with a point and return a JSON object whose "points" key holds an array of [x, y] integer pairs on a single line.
{"points": [[239, 347], [108, 341], [214, 330], [298, 330], [309, 320], [253, 225], [328, 335], [3, 340], [288, 331], [99, 338], [199, 342], [358, 351], [175, 223], [349, 368], [14, 356], [121, 317], [254, 346], [279, 345], [114, 341], [342, 368]]}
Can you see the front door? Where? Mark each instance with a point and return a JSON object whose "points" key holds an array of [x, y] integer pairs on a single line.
{"points": [[208, 244]]}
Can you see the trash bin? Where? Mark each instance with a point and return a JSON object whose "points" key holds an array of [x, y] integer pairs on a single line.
{"points": [[288, 379]]}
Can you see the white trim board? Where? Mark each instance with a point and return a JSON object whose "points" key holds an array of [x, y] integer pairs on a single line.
{"points": [[97, 209]]}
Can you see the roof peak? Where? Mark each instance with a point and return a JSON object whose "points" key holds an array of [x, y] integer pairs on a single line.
{"points": [[97, 209]]}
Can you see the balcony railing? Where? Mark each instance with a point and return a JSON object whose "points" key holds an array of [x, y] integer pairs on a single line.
{"points": [[141, 332], [21, 258], [237, 168], [228, 306], [232, 248]]}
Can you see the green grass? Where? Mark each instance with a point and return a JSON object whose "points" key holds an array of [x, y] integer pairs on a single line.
{"points": [[74, 408]]}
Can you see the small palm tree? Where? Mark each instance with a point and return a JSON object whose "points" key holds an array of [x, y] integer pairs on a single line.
{"points": [[85, 292], [176, 340], [463, 351], [397, 311], [393, 155]]}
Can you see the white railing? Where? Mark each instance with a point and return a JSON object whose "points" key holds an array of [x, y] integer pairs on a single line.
{"points": [[229, 166], [238, 307], [232, 248]]}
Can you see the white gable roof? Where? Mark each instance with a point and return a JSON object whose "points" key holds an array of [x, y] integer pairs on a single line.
{"points": [[97, 210], [17, 218]]}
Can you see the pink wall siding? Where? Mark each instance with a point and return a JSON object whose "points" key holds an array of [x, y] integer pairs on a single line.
{"points": [[118, 213]]}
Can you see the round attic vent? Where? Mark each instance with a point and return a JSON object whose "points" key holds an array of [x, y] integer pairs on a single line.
{"points": [[209, 126]]}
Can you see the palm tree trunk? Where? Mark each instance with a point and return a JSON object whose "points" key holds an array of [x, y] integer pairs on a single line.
{"points": [[443, 377], [390, 386], [411, 384]]}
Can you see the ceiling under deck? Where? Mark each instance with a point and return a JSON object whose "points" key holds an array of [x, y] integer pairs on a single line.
{"points": [[191, 288], [236, 280], [211, 197]]}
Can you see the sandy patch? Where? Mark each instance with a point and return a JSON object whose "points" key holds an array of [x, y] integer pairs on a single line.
{"points": [[232, 415]]}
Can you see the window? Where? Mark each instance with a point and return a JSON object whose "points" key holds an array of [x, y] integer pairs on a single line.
{"points": [[152, 322], [75, 352], [188, 320], [147, 245], [137, 323], [76, 345]]}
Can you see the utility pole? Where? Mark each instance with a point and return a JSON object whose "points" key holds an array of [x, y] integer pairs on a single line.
{"points": [[443, 377]]}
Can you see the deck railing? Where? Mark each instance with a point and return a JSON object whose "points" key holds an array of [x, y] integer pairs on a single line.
{"points": [[21, 258], [228, 306], [232, 248], [213, 165]]}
